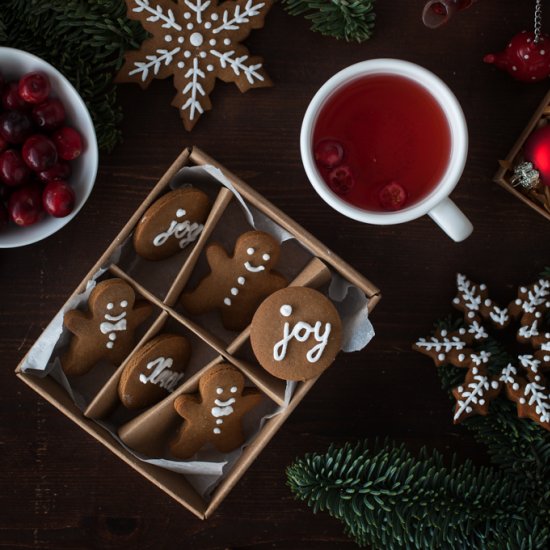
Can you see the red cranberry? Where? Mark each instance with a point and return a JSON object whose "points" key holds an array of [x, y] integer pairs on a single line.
{"points": [[39, 153], [11, 100], [4, 218], [59, 171], [15, 126], [25, 205], [13, 170], [34, 88], [392, 196], [68, 143], [329, 153], [58, 198], [341, 179], [49, 115]]}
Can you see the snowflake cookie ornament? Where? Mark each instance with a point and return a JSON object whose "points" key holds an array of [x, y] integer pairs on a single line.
{"points": [[523, 379], [196, 41]]}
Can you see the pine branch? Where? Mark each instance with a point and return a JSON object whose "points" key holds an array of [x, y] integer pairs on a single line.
{"points": [[351, 20], [85, 40], [388, 498]]}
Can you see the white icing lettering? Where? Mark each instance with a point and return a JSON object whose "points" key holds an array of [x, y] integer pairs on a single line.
{"points": [[302, 331], [184, 231], [160, 376]]}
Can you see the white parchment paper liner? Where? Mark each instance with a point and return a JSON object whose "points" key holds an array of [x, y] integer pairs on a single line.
{"points": [[204, 474]]}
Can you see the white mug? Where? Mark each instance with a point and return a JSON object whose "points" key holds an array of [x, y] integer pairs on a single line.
{"points": [[437, 204]]}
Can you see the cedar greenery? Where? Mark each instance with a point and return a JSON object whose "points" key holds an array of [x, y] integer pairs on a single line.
{"points": [[351, 20], [85, 40], [389, 499]]}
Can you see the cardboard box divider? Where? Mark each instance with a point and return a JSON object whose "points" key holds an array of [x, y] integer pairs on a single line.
{"points": [[503, 175], [137, 432]]}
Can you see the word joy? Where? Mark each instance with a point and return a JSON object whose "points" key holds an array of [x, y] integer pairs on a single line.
{"points": [[185, 231], [302, 331]]}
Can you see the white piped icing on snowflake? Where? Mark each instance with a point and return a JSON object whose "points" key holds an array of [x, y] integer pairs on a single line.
{"points": [[475, 394], [208, 39], [443, 344]]}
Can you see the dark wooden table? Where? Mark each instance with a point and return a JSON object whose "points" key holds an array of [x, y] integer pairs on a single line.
{"points": [[61, 489]]}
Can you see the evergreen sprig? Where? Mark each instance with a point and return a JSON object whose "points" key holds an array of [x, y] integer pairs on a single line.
{"points": [[350, 20], [85, 40], [389, 499]]}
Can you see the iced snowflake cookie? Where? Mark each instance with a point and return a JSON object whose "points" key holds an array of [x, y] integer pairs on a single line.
{"points": [[106, 330], [154, 371], [196, 41], [237, 284], [523, 379], [296, 333], [215, 415], [171, 223]]}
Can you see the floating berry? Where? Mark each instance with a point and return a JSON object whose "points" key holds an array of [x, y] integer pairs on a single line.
{"points": [[329, 153], [13, 170], [15, 126], [11, 100], [58, 198], [49, 115], [392, 196], [59, 171], [39, 153], [25, 205], [341, 180], [68, 143], [34, 88]]}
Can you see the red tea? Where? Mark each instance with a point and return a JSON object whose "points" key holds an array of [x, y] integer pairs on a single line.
{"points": [[382, 142]]}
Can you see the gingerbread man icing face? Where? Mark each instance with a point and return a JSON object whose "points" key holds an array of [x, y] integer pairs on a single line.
{"points": [[296, 333], [216, 416], [106, 331], [237, 284]]}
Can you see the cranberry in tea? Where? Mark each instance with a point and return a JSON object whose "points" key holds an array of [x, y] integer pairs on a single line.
{"points": [[382, 142]]}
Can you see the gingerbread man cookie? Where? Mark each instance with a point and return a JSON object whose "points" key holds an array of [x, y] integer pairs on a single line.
{"points": [[237, 284], [296, 333], [106, 331], [171, 223], [216, 415], [154, 371]]}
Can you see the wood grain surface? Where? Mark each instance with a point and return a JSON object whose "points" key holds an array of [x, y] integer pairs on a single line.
{"points": [[60, 489]]}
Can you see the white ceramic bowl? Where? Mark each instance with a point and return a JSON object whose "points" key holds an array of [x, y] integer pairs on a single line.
{"points": [[13, 65]]}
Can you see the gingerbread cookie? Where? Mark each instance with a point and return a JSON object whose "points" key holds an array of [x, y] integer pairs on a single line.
{"points": [[154, 371], [171, 223], [216, 415], [106, 331], [474, 395], [196, 41], [237, 284], [296, 333]]}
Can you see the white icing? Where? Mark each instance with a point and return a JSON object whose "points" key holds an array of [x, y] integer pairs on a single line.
{"points": [[184, 231], [217, 431], [445, 344], [113, 324], [227, 301], [241, 280], [253, 268], [124, 303], [219, 421], [286, 310], [222, 408], [441, 356], [250, 251], [234, 291], [473, 394], [266, 257], [161, 375], [233, 389], [196, 39], [302, 331], [225, 403], [219, 391]]}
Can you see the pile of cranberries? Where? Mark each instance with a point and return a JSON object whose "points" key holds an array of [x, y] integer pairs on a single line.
{"points": [[36, 148], [330, 159]]}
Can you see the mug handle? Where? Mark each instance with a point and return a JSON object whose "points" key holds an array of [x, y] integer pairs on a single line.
{"points": [[450, 218]]}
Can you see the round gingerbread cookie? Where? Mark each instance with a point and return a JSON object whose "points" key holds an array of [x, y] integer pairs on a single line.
{"points": [[171, 223], [296, 333], [154, 371]]}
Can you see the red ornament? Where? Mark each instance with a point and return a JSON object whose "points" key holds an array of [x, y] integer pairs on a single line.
{"points": [[537, 151], [524, 59]]}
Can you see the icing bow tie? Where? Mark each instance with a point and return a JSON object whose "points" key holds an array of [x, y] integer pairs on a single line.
{"points": [[107, 327]]}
